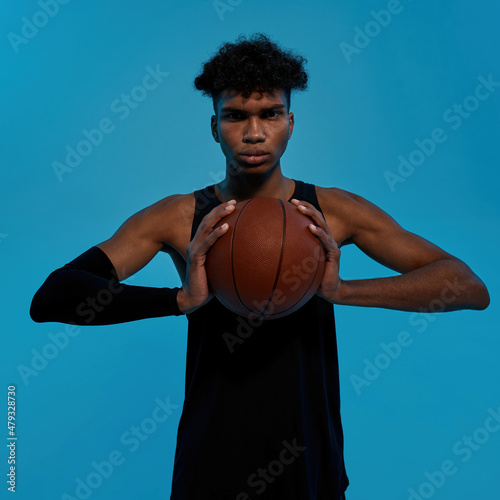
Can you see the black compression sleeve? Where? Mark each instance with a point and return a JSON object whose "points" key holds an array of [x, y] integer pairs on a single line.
{"points": [[87, 292]]}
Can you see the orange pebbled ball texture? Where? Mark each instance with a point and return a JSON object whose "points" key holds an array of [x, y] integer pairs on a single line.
{"points": [[268, 263]]}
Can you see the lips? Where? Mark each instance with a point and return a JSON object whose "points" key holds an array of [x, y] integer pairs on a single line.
{"points": [[254, 156]]}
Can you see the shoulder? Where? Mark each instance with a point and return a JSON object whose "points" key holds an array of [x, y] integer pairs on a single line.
{"points": [[351, 212], [338, 201], [334, 195], [172, 206], [167, 208], [164, 221]]}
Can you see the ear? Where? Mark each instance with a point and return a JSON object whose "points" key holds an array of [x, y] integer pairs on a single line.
{"points": [[213, 126], [291, 119]]}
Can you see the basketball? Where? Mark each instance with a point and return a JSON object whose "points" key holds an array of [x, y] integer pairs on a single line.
{"points": [[268, 263]]}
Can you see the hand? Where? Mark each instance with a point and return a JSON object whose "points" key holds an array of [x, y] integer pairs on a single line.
{"points": [[195, 291], [330, 284]]}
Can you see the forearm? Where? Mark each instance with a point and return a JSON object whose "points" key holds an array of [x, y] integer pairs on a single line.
{"points": [[444, 285], [85, 292]]}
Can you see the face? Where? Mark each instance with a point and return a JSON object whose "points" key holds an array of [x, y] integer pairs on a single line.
{"points": [[253, 132]]}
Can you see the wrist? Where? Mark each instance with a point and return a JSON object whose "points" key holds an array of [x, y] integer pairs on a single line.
{"points": [[341, 293], [338, 296], [182, 301]]}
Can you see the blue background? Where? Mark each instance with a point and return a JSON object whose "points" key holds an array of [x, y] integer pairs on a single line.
{"points": [[359, 115]]}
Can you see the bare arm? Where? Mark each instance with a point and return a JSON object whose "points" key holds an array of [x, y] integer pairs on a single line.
{"points": [[430, 280], [87, 290], [143, 235], [443, 285]]}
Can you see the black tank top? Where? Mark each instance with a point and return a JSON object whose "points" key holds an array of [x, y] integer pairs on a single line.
{"points": [[261, 416]]}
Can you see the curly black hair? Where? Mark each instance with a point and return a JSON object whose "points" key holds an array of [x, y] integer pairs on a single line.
{"points": [[253, 64]]}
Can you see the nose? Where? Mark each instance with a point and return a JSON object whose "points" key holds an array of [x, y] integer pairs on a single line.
{"points": [[254, 131]]}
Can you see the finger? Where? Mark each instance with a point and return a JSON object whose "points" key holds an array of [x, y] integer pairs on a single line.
{"points": [[209, 240], [211, 220], [302, 202], [219, 212], [314, 214], [309, 207], [327, 240]]}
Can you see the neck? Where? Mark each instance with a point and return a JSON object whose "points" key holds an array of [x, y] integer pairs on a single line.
{"points": [[238, 186]]}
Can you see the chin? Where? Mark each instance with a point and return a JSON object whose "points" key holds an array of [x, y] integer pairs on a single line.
{"points": [[250, 167]]}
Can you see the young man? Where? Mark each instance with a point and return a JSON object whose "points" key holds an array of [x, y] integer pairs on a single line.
{"points": [[261, 417]]}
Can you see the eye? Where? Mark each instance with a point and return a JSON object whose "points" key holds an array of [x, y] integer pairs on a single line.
{"points": [[235, 115], [272, 113]]}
